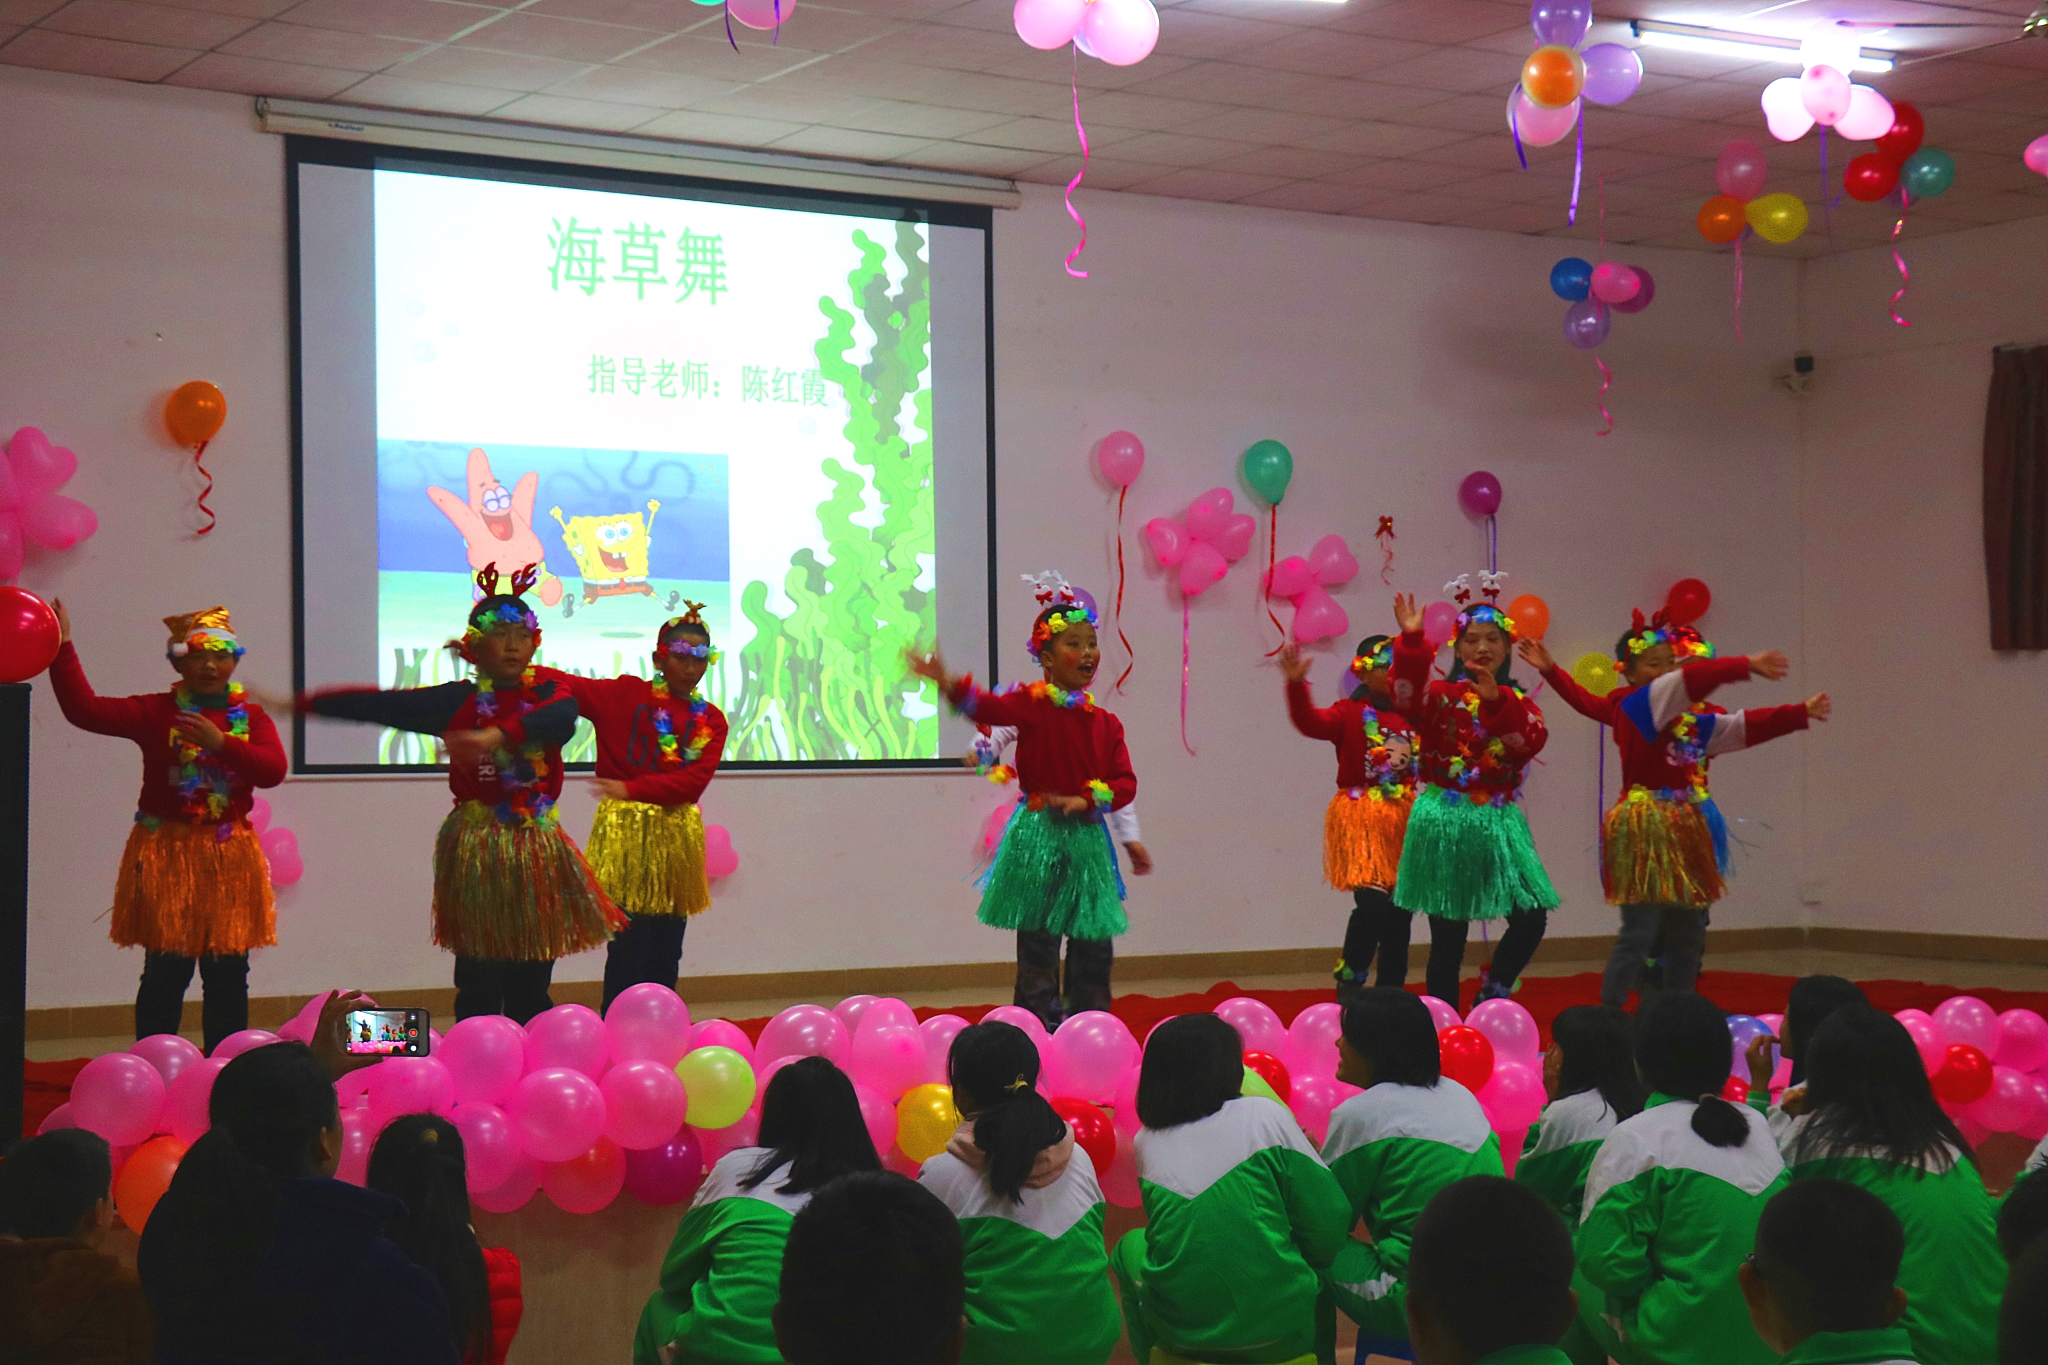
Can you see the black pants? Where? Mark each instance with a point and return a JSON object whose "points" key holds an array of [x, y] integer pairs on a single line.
{"points": [[160, 998], [1378, 928], [488, 985], [1675, 934], [649, 948], [1038, 975], [1510, 955]]}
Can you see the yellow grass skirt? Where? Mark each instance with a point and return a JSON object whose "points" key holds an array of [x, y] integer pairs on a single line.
{"points": [[519, 893], [183, 889], [1362, 836], [650, 859], [1658, 850]]}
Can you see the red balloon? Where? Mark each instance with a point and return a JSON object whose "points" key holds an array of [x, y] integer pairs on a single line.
{"points": [[1274, 1072], [1688, 602], [28, 635], [1736, 1091], [1904, 138], [1467, 1056], [1965, 1075], [1870, 177], [1093, 1132]]}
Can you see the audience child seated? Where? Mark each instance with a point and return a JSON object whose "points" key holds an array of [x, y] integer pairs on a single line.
{"points": [[418, 1161], [1822, 1285], [2023, 1320], [1240, 1211], [1590, 1076], [872, 1276], [2023, 1217], [1672, 1201], [1870, 1118], [1501, 1297], [1030, 1212], [718, 1283], [1411, 1133], [256, 1253], [63, 1301], [1812, 1000]]}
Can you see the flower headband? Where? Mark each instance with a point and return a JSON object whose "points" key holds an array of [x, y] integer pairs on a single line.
{"points": [[1060, 609], [690, 648], [1381, 656], [1487, 613], [208, 630], [1647, 635]]}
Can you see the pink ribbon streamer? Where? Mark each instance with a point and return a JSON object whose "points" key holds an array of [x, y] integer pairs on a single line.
{"points": [[1738, 284], [1080, 132], [1905, 275], [1600, 399], [1184, 677]]}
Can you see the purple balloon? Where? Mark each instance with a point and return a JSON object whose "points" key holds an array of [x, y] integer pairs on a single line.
{"points": [[1612, 73], [1643, 295], [1586, 323], [1086, 599], [1563, 22], [667, 1174], [1479, 493]]}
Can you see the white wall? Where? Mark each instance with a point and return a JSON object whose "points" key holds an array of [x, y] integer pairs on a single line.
{"points": [[1929, 818], [141, 245]]}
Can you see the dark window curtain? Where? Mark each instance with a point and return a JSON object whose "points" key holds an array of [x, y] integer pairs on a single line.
{"points": [[2016, 497]]}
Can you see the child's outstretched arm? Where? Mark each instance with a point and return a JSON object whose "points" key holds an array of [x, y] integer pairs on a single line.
{"points": [[1664, 700], [1412, 657], [1762, 724], [987, 708], [1314, 721], [1600, 709], [122, 717]]}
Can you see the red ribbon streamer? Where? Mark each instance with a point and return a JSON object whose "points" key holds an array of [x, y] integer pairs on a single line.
{"points": [[1606, 382], [1122, 493], [1082, 133], [1905, 275], [1385, 536], [1272, 550], [1738, 284], [198, 463], [1184, 677]]}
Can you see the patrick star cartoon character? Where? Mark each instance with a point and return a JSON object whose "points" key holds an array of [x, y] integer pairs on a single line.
{"points": [[497, 524]]}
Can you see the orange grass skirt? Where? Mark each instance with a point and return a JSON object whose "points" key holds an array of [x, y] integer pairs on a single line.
{"points": [[185, 890], [1362, 839]]}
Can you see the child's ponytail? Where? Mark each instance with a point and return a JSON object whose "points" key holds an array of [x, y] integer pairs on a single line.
{"points": [[1682, 1050], [994, 1071], [1719, 1123]]}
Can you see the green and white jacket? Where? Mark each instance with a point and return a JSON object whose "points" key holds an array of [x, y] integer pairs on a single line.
{"points": [[1668, 1221], [1038, 1289], [1240, 1214], [1560, 1150], [722, 1277], [1879, 1346], [1392, 1148], [1953, 1272]]}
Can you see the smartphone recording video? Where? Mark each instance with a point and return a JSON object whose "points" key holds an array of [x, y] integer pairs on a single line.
{"points": [[387, 1033]]}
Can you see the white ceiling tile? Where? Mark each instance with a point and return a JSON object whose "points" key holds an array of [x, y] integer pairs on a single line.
{"points": [[321, 47], [1383, 139], [434, 21], [787, 100], [1131, 109], [1436, 21], [1324, 53], [573, 40], [688, 125], [86, 56], [255, 76], [1465, 70], [1203, 182], [714, 58], [431, 97], [499, 70], [1103, 173], [1311, 196], [918, 120], [1175, 149], [561, 112], [846, 143], [637, 85], [961, 156], [247, 9], [132, 22], [1289, 162]]}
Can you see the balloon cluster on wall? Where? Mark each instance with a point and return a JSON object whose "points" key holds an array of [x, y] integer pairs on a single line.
{"points": [[32, 511], [1545, 103], [1204, 542], [1306, 581]]}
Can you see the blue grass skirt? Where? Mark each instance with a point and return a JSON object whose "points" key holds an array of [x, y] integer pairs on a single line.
{"points": [[1469, 860], [1056, 874]]}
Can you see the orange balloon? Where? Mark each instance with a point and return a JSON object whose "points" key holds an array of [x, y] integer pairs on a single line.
{"points": [[144, 1177], [194, 413], [1531, 616], [1553, 76], [1722, 219]]}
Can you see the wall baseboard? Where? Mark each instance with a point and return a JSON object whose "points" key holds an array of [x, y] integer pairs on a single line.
{"points": [[102, 1021]]}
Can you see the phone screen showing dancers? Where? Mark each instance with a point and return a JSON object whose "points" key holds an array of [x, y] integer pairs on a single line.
{"points": [[387, 1033]]}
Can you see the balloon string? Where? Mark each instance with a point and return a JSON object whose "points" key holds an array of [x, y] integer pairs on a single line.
{"points": [[1184, 677], [1905, 275], [1272, 551], [1515, 127], [1827, 212], [1080, 132], [777, 38], [1600, 800], [199, 463], [1122, 493], [1738, 283], [1492, 543], [728, 27], [1603, 215], [1578, 170], [1606, 382]]}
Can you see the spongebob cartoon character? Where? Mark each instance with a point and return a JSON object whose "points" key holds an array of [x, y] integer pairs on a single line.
{"points": [[497, 524], [610, 550]]}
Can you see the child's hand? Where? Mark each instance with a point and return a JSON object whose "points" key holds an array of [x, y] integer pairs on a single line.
{"points": [[63, 620], [1771, 664], [1485, 685], [610, 787], [1070, 805], [1407, 613], [931, 666], [1141, 861], [1761, 1063], [1292, 665], [473, 748], [194, 728], [326, 1045], [1818, 707], [1793, 1102], [1535, 655]]}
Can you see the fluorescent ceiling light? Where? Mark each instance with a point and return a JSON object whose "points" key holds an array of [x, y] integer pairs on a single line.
{"points": [[1749, 47]]}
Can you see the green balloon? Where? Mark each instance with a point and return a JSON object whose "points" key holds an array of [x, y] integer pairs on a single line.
{"points": [[1927, 173], [1254, 1083], [1269, 468]]}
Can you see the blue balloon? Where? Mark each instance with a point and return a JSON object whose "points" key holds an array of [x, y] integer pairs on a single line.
{"points": [[1571, 279]]}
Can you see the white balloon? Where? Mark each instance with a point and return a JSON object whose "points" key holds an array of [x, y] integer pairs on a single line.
{"points": [[1869, 118], [1784, 111], [1829, 44]]}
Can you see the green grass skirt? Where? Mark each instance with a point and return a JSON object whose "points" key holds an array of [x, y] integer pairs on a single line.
{"points": [[1462, 860], [1057, 874]]}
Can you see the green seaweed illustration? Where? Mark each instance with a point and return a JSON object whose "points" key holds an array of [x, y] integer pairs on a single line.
{"points": [[825, 682]]}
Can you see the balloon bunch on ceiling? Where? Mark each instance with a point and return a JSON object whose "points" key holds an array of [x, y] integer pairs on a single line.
{"points": [[1742, 208], [1546, 103]]}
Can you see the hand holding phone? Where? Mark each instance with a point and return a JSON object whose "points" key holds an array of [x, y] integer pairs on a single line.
{"points": [[387, 1033]]}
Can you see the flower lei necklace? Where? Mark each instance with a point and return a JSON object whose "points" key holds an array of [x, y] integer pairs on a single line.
{"points": [[519, 775], [1059, 696], [673, 753], [204, 785], [1387, 781]]}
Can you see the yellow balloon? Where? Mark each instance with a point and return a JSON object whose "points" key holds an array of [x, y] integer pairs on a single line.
{"points": [[720, 1085], [925, 1120], [1779, 218], [1596, 673]]}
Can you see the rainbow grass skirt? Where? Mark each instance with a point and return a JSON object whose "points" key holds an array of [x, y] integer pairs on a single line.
{"points": [[183, 889], [1658, 848], [650, 859], [1055, 874], [515, 892], [1469, 860]]}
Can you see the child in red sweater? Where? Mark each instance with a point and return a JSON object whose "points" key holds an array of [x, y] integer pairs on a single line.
{"points": [[194, 887], [655, 757]]}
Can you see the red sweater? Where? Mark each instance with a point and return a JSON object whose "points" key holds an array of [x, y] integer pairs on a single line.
{"points": [[548, 721], [508, 1305], [1663, 759], [622, 710], [1362, 761], [1060, 749], [257, 761], [1468, 745]]}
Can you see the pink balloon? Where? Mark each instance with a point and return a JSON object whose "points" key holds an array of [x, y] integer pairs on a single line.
{"points": [[1168, 539], [721, 860], [2035, 1125], [1442, 1014], [1018, 1017], [1535, 125], [1312, 1098], [2008, 1103], [939, 1031], [1824, 94], [1869, 118], [1095, 1050], [358, 1138], [490, 1152], [571, 1036], [1615, 283], [299, 1028], [2022, 1040], [556, 1113], [410, 1085], [1208, 514], [588, 1182], [852, 1007], [1510, 1028], [60, 1117], [1121, 32], [722, 1033], [10, 544], [648, 1020], [1292, 577], [259, 814], [513, 1195], [806, 1031], [1785, 110], [1121, 456], [878, 1114], [1235, 540], [762, 14], [2035, 158], [118, 1095], [1511, 1150], [1966, 1019], [886, 1012], [1204, 566], [10, 494], [485, 1055], [889, 1059], [1740, 171], [1318, 617], [167, 1052], [1479, 493], [281, 851], [718, 1142], [993, 828], [667, 1174], [1333, 561], [186, 1099], [644, 1102], [1643, 295], [56, 522], [1120, 1182], [1255, 1023], [39, 467], [1312, 1041], [1513, 1096], [1439, 623], [1123, 1112], [1933, 1052]]}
